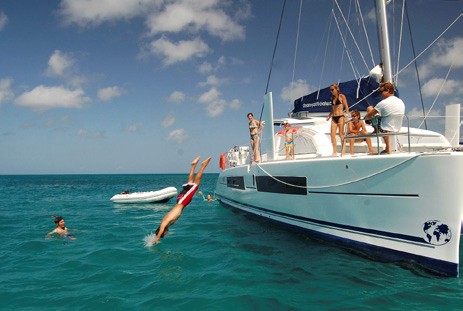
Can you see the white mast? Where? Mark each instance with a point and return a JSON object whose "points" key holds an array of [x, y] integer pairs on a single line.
{"points": [[384, 39]]}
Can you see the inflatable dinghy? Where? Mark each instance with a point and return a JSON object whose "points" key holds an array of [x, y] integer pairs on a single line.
{"points": [[160, 196]]}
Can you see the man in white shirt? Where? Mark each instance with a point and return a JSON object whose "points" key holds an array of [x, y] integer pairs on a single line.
{"points": [[391, 109]]}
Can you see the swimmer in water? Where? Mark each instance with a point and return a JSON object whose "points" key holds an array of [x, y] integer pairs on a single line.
{"points": [[208, 198], [61, 230], [183, 199]]}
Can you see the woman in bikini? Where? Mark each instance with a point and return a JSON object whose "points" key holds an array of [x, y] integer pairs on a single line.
{"points": [[254, 128], [339, 106]]}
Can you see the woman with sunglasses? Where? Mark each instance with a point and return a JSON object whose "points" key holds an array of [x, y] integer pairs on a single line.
{"points": [[339, 107]]}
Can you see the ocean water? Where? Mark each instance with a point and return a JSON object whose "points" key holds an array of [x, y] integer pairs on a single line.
{"points": [[214, 258]]}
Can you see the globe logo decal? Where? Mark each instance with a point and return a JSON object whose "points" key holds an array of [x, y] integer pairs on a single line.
{"points": [[436, 233]]}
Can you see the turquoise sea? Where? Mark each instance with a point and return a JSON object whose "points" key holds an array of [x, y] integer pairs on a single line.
{"points": [[214, 258]]}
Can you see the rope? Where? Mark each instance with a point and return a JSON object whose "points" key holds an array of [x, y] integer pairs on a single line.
{"points": [[324, 56], [340, 184], [366, 33], [368, 95], [431, 44], [297, 40], [437, 96], [416, 66], [271, 66], [275, 47], [356, 74], [400, 42], [351, 34]]}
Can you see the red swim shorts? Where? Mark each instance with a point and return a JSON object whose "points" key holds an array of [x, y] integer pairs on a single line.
{"points": [[187, 194]]}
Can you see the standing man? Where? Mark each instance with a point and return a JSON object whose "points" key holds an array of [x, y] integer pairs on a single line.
{"points": [[391, 109]]}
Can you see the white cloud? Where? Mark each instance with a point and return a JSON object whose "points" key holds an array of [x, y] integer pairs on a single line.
{"points": [[45, 97], [176, 97], [5, 90], [216, 108], [178, 135], [446, 53], [215, 105], [181, 51], [59, 63], [212, 80], [294, 90], [185, 17], [209, 96], [3, 20], [62, 65], [95, 12], [163, 16], [437, 86], [205, 68], [108, 93], [168, 121], [197, 15]]}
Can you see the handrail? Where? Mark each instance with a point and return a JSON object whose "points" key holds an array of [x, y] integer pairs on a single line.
{"points": [[378, 134]]}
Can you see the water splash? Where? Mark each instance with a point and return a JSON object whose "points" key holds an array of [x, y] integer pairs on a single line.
{"points": [[149, 240]]}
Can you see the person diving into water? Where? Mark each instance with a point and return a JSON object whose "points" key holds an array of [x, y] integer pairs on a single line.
{"points": [[183, 199]]}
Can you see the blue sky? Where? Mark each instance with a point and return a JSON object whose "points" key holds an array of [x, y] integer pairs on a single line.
{"points": [[143, 86]]}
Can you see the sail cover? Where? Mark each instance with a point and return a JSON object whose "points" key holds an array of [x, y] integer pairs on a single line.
{"points": [[359, 93]]}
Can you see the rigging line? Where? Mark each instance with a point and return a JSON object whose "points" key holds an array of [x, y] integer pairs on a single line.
{"points": [[275, 47], [356, 74], [326, 51], [340, 184], [416, 65], [393, 36], [437, 96], [297, 40], [455, 134], [366, 33], [352, 35], [344, 36], [271, 66], [432, 43], [365, 97], [400, 41]]}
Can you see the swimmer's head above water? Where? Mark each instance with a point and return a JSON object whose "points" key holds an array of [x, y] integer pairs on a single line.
{"points": [[59, 221]]}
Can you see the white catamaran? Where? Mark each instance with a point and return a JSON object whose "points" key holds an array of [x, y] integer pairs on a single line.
{"points": [[402, 207]]}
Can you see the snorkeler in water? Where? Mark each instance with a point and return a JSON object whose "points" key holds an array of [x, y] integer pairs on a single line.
{"points": [[61, 229]]}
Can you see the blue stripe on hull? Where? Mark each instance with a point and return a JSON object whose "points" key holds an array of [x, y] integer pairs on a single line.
{"points": [[433, 266]]}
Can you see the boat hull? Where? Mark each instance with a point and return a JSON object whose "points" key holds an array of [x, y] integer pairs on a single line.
{"points": [[402, 207], [160, 196]]}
